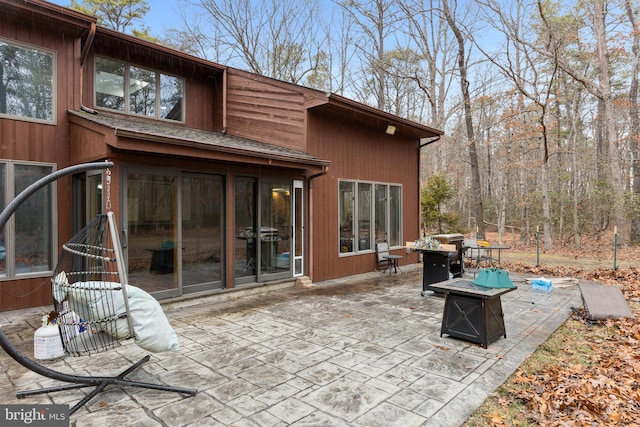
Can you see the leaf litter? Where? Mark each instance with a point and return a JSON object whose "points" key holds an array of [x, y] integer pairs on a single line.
{"points": [[590, 377]]}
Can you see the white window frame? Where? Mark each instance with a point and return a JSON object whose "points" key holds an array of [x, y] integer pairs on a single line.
{"points": [[54, 67], [10, 227], [356, 206]]}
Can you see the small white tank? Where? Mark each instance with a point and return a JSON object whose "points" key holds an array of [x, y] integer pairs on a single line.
{"points": [[47, 344]]}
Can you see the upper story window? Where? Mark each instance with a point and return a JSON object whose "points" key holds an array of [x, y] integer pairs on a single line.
{"points": [[136, 90], [27, 89]]}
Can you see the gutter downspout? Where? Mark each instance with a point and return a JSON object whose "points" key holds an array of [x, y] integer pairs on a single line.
{"points": [[83, 57], [224, 102], [324, 171]]}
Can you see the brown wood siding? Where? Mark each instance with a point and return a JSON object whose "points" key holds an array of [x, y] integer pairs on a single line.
{"points": [[263, 112], [32, 292], [87, 145], [203, 103], [358, 153], [25, 140], [30, 141]]}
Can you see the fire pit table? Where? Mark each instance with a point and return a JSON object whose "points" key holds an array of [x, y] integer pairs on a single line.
{"points": [[473, 313]]}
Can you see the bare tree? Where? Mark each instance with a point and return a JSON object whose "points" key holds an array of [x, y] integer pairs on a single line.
{"points": [[342, 54], [277, 39], [462, 39], [184, 40], [519, 62], [429, 31], [634, 111], [594, 13], [375, 21], [574, 104]]}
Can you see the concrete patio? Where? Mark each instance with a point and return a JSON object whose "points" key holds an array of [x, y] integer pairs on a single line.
{"points": [[361, 351]]}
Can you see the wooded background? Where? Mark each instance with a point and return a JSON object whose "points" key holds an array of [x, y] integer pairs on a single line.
{"points": [[538, 99]]}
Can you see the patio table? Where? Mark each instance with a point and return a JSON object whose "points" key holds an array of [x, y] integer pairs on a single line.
{"points": [[488, 250]]}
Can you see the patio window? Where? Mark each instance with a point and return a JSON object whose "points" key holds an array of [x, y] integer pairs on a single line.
{"points": [[136, 90], [368, 212], [346, 208], [27, 89], [26, 243]]}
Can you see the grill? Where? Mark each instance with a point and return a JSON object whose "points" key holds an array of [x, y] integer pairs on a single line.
{"points": [[440, 265], [456, 266]]}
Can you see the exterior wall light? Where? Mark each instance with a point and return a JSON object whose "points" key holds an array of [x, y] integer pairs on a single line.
{"points": [[391, 129]]}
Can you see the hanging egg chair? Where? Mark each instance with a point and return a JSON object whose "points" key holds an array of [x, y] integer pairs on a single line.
{"points": [[95, 307]]}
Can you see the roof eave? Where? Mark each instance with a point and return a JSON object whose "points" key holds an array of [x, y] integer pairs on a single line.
{"points": [[346, 103], [157, 48], [126, 133], [125, 138]]}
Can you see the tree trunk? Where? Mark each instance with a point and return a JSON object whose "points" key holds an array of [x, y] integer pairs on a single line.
{"points": [[546, 206], [604, 81], [634, 115], [572, 147], [502, 204], [473, 153]]}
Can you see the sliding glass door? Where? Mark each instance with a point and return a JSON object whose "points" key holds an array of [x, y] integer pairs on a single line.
{"points": [[174, 229], [275, 229], [174, 226], [152, 231], [268, 229], [298, 229], [202, 225], [245, 222]]}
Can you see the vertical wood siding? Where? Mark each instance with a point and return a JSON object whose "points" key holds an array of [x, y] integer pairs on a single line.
{"points": [[23, 140], [363, 153]]}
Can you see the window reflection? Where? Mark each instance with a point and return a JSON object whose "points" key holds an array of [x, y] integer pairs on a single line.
{"points": [[27, 246], [202, 210], [275, 228], [109, 84], [123, 87], [151, 231], [142, 91], [26, 82], [245, 223], [364, 216], [378, 209], [346, 208]]}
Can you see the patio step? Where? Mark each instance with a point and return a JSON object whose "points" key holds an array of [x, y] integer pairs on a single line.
{"points": [[304, 282]]}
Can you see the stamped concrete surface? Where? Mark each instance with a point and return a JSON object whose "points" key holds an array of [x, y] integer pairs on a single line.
{"points": [[360, 351]]}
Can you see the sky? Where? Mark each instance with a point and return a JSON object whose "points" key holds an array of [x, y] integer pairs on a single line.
{"points": [[162, 15]]}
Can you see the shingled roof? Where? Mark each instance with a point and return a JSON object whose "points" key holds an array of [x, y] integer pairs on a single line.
{"points": [[163, 132]]}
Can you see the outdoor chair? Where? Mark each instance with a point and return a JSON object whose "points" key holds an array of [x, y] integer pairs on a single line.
{"points": [[473, 251], [385, 259], [95, 308]]}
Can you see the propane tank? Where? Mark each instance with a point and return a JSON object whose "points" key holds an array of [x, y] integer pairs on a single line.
{"points": [[47, 344]]}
